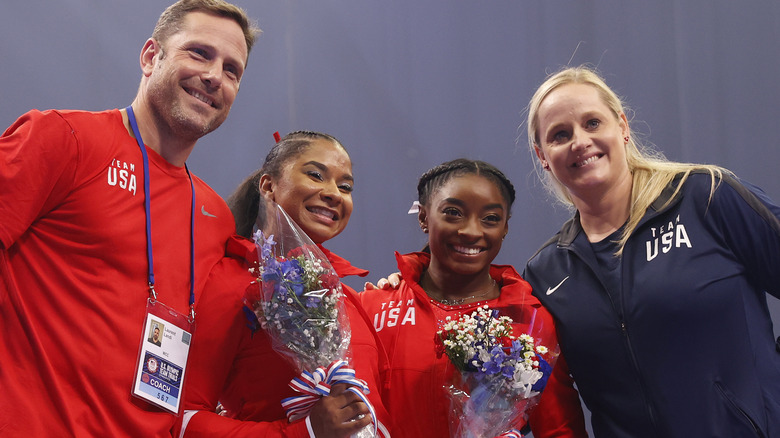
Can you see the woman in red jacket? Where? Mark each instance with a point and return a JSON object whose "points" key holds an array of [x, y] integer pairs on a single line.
{"points": [[310, 176], [464, 207]]}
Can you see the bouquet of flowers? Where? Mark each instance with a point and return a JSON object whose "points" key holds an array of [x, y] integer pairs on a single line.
{"points": [[297, 299], [300, 304], [501, 374]]}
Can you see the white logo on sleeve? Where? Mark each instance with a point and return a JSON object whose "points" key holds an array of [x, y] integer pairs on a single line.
{"points": [[550, 290], [205, 213]]}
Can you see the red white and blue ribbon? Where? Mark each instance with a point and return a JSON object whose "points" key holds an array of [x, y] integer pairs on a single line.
{"points": [[514, 433], [317, 384]]}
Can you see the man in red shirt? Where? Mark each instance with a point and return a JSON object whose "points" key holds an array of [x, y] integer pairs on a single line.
{"points": [[84, 210]]}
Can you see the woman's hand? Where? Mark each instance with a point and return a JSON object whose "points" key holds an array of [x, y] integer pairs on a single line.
{"points": [[390, 283], [340, 414]]}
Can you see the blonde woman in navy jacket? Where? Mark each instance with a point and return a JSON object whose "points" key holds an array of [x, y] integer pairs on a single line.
{"points": [[658, 284]]}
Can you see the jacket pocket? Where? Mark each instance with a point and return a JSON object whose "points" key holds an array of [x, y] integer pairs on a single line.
{"points": [[737, 410]]}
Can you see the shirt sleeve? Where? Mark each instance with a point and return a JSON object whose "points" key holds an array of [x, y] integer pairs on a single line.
{"points": [[209, 424], [750, 223], [38, 159]]}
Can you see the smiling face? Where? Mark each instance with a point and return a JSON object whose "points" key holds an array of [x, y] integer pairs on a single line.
{"points": [[191, 79], [581, 141], [466, 220], [315, 189]]}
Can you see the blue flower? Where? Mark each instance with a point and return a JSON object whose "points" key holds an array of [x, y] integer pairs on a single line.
{"points": [[469, 366], [292, 272], [496, 363], [271, 275], [546, 369], [516, 351], [313, 302], [266, 247]]}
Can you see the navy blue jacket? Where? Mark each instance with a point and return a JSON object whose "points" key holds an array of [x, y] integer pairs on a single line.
{"points": [[686, 347]]}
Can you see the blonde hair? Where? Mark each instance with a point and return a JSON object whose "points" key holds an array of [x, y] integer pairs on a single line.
{"points": [[650, 171]]}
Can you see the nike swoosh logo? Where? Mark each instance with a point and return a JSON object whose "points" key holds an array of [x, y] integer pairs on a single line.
{"points": [[550, 290], [205, 213]]}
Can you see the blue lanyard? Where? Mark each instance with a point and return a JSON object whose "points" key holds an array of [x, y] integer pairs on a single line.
{"points": [[147, 202]]}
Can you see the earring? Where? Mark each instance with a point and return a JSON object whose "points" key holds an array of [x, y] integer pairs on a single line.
{"points": [[546, 166], [625, 139], [425, 230]]}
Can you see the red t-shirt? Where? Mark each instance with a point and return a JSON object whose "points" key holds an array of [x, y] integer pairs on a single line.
{"points": [[74, 271], [244, 372], [406, 320]]}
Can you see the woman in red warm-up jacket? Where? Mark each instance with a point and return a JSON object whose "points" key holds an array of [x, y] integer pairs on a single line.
{"points": [[310, 176], [464, 208]]}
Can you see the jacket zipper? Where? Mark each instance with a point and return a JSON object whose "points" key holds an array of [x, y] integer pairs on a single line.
{"points": [[627, 339], [642, 384]]}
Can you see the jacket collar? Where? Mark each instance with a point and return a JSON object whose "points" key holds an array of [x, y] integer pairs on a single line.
{"points": [[572, 228], [342, 266], [243, 248]]}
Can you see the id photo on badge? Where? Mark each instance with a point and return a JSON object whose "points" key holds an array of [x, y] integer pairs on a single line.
{"points": [[155, 332]]}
